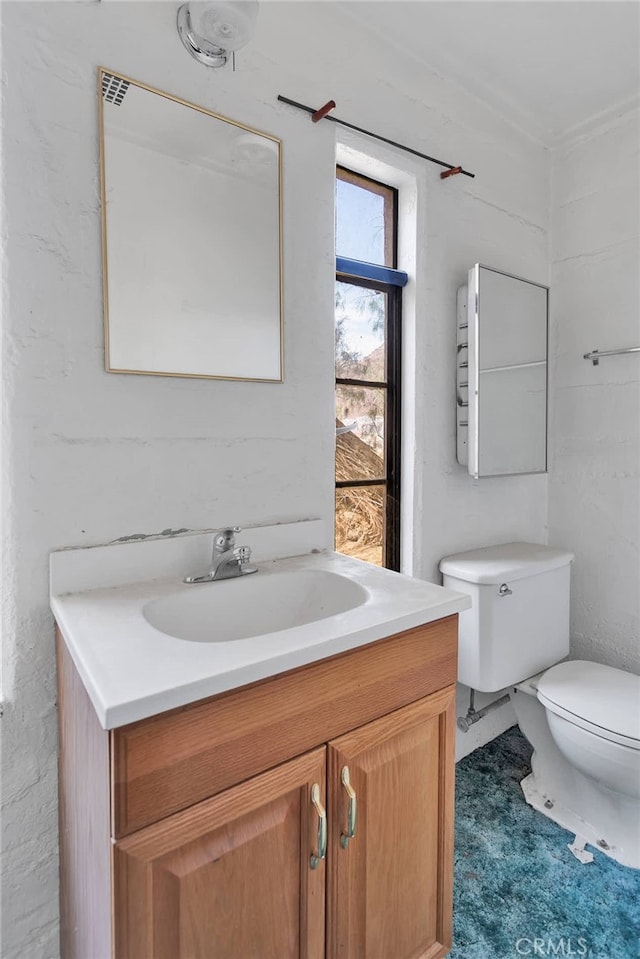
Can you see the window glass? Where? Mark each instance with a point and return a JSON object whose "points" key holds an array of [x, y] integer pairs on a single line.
{"points": [[360, 522], [363, 410], [360, 333], [364, 219]]}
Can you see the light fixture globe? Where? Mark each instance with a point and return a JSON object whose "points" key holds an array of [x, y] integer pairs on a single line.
{"points": [[212, 30], [228, 24]]}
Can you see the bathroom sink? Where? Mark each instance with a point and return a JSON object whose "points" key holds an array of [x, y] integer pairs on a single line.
{"points": [[235, 609], [144, 642]]}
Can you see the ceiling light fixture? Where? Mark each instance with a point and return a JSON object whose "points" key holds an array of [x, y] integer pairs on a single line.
{"points": [[211, 31]]}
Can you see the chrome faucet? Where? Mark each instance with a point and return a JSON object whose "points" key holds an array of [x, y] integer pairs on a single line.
{"points": [[227, 561]]}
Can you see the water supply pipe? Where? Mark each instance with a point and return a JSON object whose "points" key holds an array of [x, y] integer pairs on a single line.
{"points": [[464, 723]]}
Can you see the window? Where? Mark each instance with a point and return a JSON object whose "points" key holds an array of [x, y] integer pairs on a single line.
{"points": [[368, 343]]}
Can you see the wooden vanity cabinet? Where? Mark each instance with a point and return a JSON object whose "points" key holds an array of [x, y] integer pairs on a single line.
{"points": [[216, 815]]}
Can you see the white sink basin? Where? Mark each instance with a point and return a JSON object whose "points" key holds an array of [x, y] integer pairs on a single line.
{"points": [[234, 609]]}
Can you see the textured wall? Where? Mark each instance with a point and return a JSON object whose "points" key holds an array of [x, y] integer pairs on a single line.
{"points": [[90, 457], [594, 504]]}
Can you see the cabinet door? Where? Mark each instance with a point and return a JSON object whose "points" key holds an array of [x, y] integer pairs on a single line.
{"points": [[229, 878], [390, 886]]}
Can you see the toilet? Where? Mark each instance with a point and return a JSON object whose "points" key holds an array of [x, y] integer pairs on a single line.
{"points": [[582, 718]]}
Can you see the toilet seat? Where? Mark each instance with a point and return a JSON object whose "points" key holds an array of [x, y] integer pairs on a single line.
{"points": [[601, 699]]}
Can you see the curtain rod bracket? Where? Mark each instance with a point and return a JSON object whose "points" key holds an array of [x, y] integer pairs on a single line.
{"points": [[322, 112], [451, 172]]}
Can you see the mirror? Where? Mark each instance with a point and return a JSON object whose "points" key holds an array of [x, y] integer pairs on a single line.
{"points": [[502, 374], [192, 242]]}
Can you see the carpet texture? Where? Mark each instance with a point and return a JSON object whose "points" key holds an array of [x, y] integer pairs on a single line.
{"points": [[518, 890]]}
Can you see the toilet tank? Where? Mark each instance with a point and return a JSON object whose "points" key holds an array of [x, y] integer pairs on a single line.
{"points": [[518, 623]]}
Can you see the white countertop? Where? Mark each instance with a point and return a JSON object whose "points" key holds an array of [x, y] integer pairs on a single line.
{"points": [[132, 670]]}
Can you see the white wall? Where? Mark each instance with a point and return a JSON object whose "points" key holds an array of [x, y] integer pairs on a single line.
{"points": [[594, 503], [91, 456]]}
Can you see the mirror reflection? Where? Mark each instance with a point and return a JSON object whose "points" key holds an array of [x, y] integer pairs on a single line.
{"points": [[192, 239]]}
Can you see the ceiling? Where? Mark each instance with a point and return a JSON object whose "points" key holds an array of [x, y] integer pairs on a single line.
{"points": [[551, 67]]}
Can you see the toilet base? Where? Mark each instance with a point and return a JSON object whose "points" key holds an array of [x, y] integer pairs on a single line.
{"points": [[569, 820], [581, 805]]}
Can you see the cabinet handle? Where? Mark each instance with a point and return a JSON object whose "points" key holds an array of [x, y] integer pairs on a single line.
{"points": [[322, 827], [353, 808]]}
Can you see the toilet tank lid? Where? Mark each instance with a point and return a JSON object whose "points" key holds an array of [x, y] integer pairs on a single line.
{"points": [[606, 698], [493, 565]]}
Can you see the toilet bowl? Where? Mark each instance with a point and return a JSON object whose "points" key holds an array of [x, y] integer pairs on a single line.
{"points": [[616, 766], [593, 713], [582, 718], [584, 777]]}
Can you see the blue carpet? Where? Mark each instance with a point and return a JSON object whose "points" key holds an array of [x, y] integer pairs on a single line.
{"points": [[515, 880]]}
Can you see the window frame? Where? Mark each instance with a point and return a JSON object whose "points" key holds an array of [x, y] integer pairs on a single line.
{"points": [[389, 280]]}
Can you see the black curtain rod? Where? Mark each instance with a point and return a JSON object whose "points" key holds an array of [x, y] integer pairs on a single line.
{"points": [[376, 136]]}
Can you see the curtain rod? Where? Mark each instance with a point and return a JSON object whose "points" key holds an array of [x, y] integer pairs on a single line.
{"points": [[321, 114]]}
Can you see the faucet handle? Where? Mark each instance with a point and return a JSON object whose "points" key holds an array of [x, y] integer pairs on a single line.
{"points": [[225, 538], [244, 555]]}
